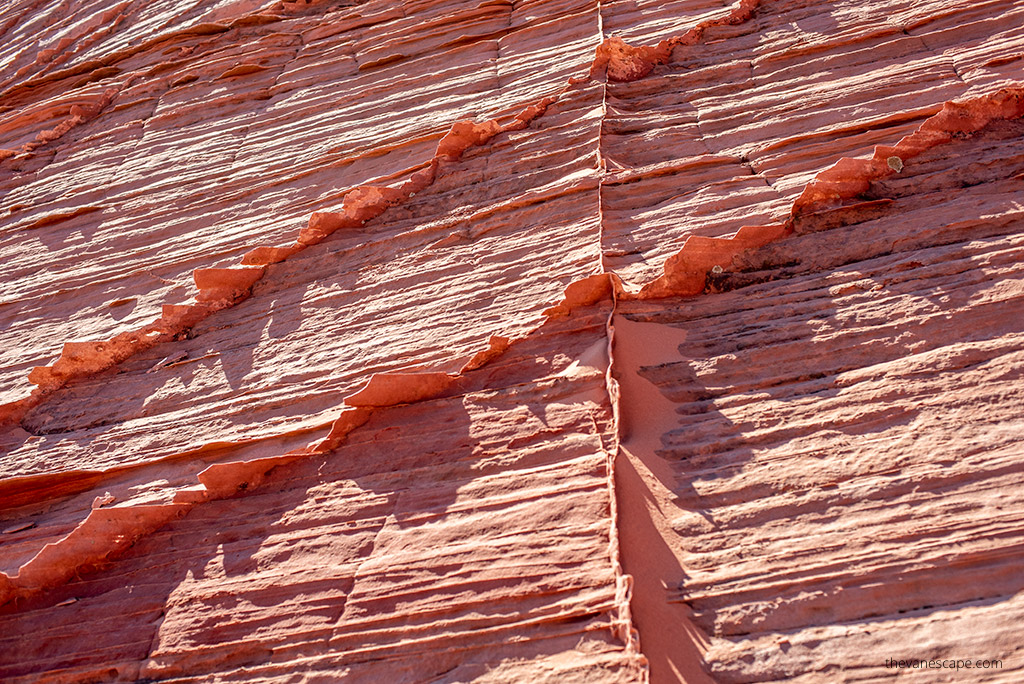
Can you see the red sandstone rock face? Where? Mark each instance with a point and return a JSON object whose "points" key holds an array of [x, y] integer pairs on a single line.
{"points": [[547, 341]]}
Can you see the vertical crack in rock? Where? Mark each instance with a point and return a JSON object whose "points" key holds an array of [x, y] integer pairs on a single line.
{"points": [[109, 531], [645, 500], [242, 480], [644, 488], [625, 626], [644, 510], [224, 287], [646, 567]]}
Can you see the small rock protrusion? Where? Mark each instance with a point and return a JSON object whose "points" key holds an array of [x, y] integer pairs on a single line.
{"points": [[105, 500], [895, 163]]}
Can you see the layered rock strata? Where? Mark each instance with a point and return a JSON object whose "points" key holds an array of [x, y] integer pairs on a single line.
{"points": [[549, 341]]}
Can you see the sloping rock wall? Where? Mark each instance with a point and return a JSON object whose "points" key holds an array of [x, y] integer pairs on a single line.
{"points": [[492, 341]]}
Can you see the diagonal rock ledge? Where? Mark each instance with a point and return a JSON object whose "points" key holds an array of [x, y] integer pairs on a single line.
{"points": [[824, 203], [685, 273], [116, 529], [359, 205]]}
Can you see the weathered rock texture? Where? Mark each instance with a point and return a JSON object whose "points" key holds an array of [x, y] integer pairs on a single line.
{"points": [[557, 340]]}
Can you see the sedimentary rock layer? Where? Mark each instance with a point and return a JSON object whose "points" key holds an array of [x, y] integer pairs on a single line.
{"points": [[496, 341], [364, 564], [839, 471]]}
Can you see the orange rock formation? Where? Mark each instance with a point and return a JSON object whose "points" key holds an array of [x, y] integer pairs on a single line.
{"points": [[488, 341]]}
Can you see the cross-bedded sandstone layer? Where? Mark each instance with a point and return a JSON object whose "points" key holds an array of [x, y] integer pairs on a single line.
{"points": [[506, 341]]}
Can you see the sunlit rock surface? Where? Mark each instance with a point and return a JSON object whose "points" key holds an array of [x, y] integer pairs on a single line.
{"points": [[511, 341]]}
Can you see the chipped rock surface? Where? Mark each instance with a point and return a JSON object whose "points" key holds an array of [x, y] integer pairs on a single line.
{"points": [[556, 340]]}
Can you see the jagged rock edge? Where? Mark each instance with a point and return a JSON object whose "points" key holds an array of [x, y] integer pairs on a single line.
{"points": [[223, 287], [685, 272], [220, 288], [622, 62], [624, 628], [110, 531]]}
